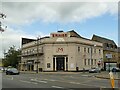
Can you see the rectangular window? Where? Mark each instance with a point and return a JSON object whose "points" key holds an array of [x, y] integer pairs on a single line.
{"points": [[91, 50], [88, 50], [78, 49], [88, 61], [48, 65], [95, 62], [85, 62], [84, 49], [99, 51], [91, 61], [94, 50]]}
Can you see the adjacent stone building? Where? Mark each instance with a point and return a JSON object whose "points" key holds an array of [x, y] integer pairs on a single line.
{"points": [[110, 52], [61, 51]]}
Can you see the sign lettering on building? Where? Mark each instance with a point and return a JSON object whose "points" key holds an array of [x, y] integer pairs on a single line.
{"points": [[59, 35], [59, 50]]}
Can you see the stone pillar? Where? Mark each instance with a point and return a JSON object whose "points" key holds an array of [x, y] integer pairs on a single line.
{"points": [[55, 63], [65, 63]]}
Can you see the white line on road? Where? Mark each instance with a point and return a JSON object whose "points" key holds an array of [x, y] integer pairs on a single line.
{"points": [[50, 80], [38, 81], [28, 82], [74, 82], [11, 78], [56, 87]]}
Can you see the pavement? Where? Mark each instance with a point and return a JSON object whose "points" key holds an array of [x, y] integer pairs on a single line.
{"points": [[33, 72], [102, 75], [105, 75]]}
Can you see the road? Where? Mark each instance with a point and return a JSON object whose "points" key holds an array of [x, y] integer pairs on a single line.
{"points": [[51, 80]]}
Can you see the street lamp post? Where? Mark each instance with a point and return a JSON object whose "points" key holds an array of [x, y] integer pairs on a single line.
{"points": [[38, 38]]}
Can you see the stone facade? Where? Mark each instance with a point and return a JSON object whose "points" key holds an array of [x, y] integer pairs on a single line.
{"points": [[110, 52], [62, 51]]}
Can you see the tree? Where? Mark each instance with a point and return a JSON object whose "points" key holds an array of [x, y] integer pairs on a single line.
{"points": [[11, 57]]}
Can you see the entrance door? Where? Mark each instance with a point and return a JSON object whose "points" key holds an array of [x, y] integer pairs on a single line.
{"points": [[60, 63]]}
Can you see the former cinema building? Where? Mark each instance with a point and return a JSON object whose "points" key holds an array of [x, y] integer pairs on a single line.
{"points": [[61, 51]]}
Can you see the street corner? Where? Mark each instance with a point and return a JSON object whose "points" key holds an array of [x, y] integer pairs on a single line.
{"points": [[107, 76]]}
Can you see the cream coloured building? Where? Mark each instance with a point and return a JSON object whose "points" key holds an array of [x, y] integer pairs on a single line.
{"points": [[61, 51]]}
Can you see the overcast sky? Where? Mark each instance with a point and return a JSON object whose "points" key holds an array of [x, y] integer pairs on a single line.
{"points": [[30, 19]]}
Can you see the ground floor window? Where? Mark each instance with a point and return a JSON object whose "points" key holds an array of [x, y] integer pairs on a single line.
{"points": [[48, 65]]}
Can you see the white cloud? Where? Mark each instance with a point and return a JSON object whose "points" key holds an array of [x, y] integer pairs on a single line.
{"points": [[27, 12], [13, 37]]}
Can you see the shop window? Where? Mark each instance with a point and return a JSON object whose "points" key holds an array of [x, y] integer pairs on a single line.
{"points": [[48, 65]]}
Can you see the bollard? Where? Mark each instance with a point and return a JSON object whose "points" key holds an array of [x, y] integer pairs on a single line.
{"points": [[112, 80]]}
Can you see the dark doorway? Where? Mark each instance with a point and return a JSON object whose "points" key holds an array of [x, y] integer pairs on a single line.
{"points": [[60, 63]]}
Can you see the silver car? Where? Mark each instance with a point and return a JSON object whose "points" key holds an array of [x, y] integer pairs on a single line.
{"points": [[12, 71], [94, 70]]}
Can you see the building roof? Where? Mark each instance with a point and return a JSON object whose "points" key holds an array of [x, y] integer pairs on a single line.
{"points": [[27, 40], [74, 34], [102, 40], [108, 44], [118, 49]]}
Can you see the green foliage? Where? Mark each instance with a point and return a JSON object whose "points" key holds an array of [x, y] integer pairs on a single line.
{"points": [[11, 57]]}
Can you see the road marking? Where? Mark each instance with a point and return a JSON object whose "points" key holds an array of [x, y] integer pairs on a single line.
{"points": [[12, 78], [9, 78], [28, 82], [74, 82], [50, 80], [56, 87], [45, 79], [92, 85], [38, 81]]}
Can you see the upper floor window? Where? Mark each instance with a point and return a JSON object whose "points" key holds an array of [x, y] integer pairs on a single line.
{"points": [[91, 61], [88, 61], [84, 49], [94, 50], [88, 50], [78, 49], [95, 62], [99, 51]]}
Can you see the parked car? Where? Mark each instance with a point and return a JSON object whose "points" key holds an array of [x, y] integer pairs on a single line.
{"points": [[1, 69], [115, 69], [12, 71], [95, 70]]}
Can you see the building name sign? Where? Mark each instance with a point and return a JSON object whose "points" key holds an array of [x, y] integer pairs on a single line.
{"points": [[59, 50], [59, 35]]}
